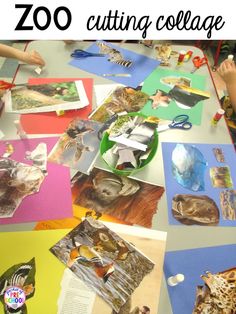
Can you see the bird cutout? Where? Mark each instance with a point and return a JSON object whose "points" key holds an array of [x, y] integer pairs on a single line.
{"points": [[22, 276], [9, 150], [71, 146], [115, 56], [160, 98], [88, 257]]}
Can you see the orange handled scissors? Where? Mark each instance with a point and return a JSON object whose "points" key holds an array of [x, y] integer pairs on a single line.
{"points": [[6, 85], [198, 62]]}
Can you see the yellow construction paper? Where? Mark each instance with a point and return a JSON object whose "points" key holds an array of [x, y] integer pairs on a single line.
{"points": [[20, 247]]}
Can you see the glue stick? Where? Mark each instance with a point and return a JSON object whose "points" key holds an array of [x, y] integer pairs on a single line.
{"points": [[220, 112], [188, 55], [182, 54]]}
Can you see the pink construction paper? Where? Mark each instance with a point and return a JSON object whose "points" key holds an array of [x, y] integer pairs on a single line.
{"points": [[53, 201]]}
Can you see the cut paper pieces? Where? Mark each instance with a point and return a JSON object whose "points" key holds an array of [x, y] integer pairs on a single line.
{"points": [[104, 193], [219, 154], [220, 177], [18, 180], [200, 207], [164, 53], [78, 147], [228, 204], [141, 66], [48, 271], [103, 260], [160, 98], [53, 200], [192, 209], [122, 99], [9, 150], [75, 294], [188, 167], [187, 97], [162, 79], [21, 277], [50, 123], [46, 97], [114, 55], [102, 91], [218, 293], [171, 81], [193, 264]]}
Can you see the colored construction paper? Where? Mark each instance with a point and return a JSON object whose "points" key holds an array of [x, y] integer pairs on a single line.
{"points": [[192, 264], [49, 270], [53, 201], [155, 82], [141, 67], [50, 123], [35, 244], [173, 187]]}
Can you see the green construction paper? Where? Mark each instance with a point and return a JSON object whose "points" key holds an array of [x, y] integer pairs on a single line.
{"points": [[152, 83]]}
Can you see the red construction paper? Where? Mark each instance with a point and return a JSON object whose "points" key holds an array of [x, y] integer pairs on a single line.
{"points": [[50, 123]]}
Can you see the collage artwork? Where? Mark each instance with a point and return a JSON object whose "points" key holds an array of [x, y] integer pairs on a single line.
{"points": [[75, 179]]}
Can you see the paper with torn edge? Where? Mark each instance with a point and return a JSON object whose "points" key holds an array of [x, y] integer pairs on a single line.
{"points": [[104, 261], [53, 201], [75, 296], [46, 97], [152, 243]]}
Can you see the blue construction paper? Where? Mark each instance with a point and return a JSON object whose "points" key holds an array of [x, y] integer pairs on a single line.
{"points": [[192, 264], [142, 66], [172, 186]]}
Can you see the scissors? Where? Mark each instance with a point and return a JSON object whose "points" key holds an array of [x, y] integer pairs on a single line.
{"points": [[179, 122], [6, 85], [198, 62], [81, 54]]}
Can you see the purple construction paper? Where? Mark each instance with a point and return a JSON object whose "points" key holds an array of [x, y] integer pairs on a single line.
{"points": [[172, 187], [140, 69], [192, 264], [53, 201]]}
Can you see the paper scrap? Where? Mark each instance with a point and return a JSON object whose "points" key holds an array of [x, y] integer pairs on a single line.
{"points": [[38, 70], [75, 296]]}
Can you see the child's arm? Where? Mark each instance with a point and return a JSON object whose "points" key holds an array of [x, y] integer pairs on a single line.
{"points": [[227, 71], [32, 57]]}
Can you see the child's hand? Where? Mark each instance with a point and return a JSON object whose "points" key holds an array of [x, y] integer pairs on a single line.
{"points": [[34, 58], [227, 71]]}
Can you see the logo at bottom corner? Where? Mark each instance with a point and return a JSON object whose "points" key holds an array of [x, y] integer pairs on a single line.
{"points": [[14, 297]]}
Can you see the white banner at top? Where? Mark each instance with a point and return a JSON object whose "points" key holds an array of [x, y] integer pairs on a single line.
{"points": [[123, 19]]}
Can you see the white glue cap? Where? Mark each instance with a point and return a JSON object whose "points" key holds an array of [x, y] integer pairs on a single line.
{"points": [[230, 57], [182, 52], [174, 280], [221, 111]]}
